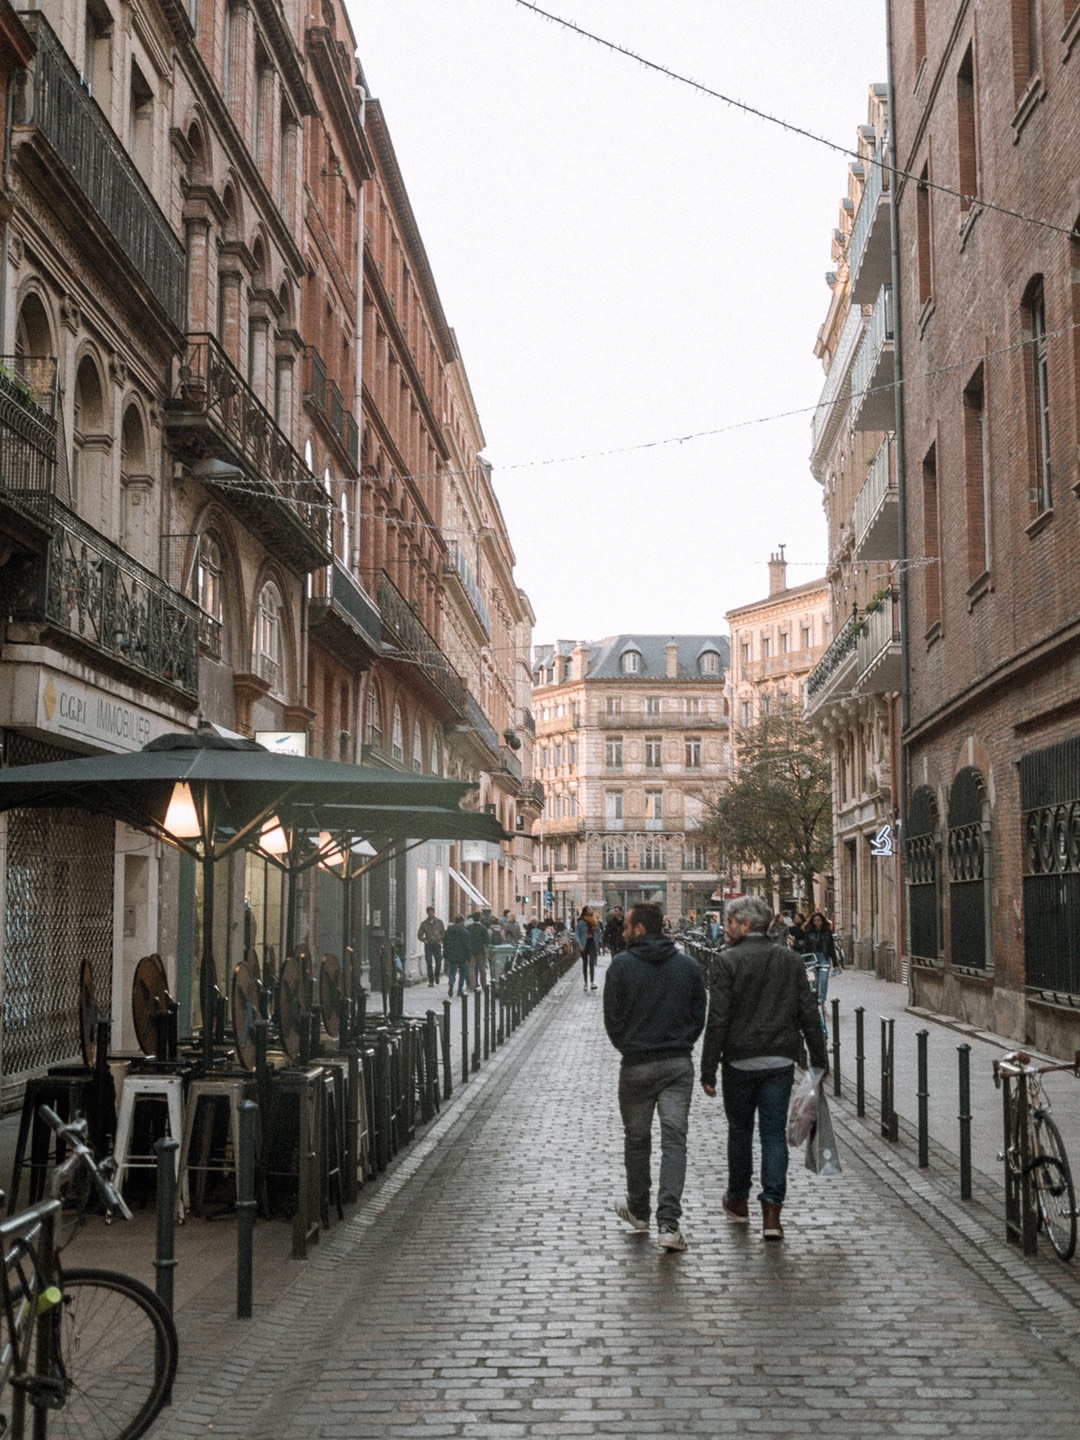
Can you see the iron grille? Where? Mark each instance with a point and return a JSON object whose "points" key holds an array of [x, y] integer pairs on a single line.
{"points": [[59, 913], [967, 871], [1049, 791], [922, 855]]}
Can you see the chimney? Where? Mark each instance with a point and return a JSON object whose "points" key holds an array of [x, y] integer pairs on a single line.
{"points": [[581, 661], [671, 650], [777, 572]]}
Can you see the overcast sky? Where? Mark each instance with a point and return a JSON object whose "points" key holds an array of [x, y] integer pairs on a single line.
{"points": [[627, 263]]}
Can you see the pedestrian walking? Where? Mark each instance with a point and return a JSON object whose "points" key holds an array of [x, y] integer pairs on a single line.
{"points": [[613, 931], [587, 934], [654, 1010], [819, 952], [431, 933], [760, 1011], [479, 939], [456, 951]]}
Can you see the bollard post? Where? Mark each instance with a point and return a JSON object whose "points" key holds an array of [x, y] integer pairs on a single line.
{"points": [[165, 1259], [245, 1210], [487, 1019], [477, 1002], [835, 1046], [860, 1061], [448, 1081], [465, 1036], [922, 1038], [888, 1079], [963, 1055]]}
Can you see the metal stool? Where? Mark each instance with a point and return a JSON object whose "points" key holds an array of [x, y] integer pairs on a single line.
{"points": [[232, 1091], [167, 1090], [67, 1095]]}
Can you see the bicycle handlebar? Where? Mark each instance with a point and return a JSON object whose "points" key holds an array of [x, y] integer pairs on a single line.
{"points": [[1018, 1062], [74, 1134]]}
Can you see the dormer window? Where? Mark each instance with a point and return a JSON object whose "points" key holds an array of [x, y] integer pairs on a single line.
{"points": [[709, 662], [631, 662]]}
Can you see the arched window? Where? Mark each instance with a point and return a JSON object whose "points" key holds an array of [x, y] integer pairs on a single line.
{"points": [[208, 591], [417, 747], [969, 870], [373, 719], [268, 651], [631, 661], [922, 852], [397, 737], [709, 662]]}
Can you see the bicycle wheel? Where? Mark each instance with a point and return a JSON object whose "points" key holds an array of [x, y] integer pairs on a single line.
{"points": [[1054, 1195], [116, 1351]]}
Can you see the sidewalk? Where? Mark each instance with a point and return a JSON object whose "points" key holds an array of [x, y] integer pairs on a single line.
{"points": [[483, 1289]]}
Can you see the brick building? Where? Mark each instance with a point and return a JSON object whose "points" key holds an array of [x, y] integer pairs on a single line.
{"points": [[986, 114], [852, 695], [631, 734]]}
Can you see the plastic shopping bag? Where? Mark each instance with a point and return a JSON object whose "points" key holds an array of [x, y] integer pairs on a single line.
{"points": [[804, 1107], [822, 1156]]}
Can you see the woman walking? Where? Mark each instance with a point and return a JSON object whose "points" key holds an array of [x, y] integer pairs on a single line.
{"points": [[586, 932], [819, 948]]}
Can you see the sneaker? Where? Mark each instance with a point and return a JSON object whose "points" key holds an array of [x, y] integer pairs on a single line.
{"points": [[670, 1237], [592, 987], [737, 1210], [627, 1215]]}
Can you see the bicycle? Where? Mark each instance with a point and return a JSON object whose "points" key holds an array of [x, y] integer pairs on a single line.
{"points": [[93, 1352], [1034, 1147]]}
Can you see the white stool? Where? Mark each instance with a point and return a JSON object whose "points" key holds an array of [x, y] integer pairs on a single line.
{"points": [[231, 1091], [167, 1090]]}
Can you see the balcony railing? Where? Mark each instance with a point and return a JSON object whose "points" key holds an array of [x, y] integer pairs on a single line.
{"points": [[877, 530], [841, 649], [92, 591], [327, 400], [510, 762], [879, 646], [83, 140], [531, 792], [456, 564], [786, 663], [829, 414], [215, 411], [28, 454], [869, 247], [873, 399], [335, 589], [414, 640], [482, 725]]}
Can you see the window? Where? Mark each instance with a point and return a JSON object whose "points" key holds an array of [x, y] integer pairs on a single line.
{"points": [[614, 705], [766, 646], [97, 65], [766, 705], [140, 122], [710, 662], [373, 717], [807, 637], [631, 662], [744, 712], [746, 652], [268, 637], [616, 855], [918, 21], [693, 752], [417, 747], [654, 748], [654, 809], [1038, 394], [785, 642], [652, 705], [613, 810], [931, 541], [693, 705], [967, 132], [1027, 44], [976, 477], [695, 856], [571, 754], [436, 760], [571, 855], [210, 593], [397, 736], [652, 855], [571, 806], [614, 752], [923, 237], [693, 807]]}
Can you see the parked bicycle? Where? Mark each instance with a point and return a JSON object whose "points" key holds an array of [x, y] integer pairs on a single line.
{"points": [[1033, 1134], [91, 1352]]}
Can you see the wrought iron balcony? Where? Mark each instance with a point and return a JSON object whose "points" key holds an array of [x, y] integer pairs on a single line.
{"points": [[399, 624], [878, 647], [483, 727], [73, 136], [221, 429], [832, 407], [28, 440], [869, 258], [873, 391], [341, 612], [531, 792], [831, 677], [109, 605], [510, 764], [324, 397], [877, 510], [460, 570]]}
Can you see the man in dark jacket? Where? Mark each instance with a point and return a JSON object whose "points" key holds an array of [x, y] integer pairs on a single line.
{"points": [[761, 1010], [613, 931], [654, 1009], [456, 953], [479, 939]]}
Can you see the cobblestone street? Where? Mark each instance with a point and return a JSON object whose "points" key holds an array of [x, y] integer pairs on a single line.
{"points": [[483, 1288]]}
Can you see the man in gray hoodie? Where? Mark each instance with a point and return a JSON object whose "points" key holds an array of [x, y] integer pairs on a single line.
{"points": [[654, 1011]]}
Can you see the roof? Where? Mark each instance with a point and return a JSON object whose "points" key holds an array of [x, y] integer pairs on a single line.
{"points": [[605, 656]]}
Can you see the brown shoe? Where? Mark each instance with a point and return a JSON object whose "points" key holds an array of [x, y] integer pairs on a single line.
{"points": [[771, 1229], [736, 1210]]}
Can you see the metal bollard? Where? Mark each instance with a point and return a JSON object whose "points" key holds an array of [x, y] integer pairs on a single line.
{"points": [[245, 1210], [888, 1078], [477, 1004], [487, 1019], [922, 1037], [448, 1081], [165, 1259], [963, 1055], [835, 1046], [465, 1036], [860, 1062]]}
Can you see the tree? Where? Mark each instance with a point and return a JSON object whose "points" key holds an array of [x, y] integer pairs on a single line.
{"points": [[778, 810]]}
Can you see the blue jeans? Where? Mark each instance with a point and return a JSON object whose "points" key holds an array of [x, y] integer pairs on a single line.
{"points": [[457, 970], [766, 1093], [433, 961], [818, 967], [663, 1087]]}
